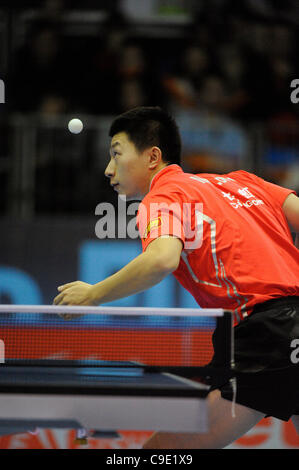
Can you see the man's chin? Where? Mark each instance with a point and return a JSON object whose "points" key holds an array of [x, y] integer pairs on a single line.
{"points": [[129, 197]]}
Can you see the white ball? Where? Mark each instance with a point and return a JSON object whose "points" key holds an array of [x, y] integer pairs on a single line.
{"points": [[75, 126]]}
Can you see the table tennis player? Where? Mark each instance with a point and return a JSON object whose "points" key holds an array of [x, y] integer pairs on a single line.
{"points": [[228, 240]]}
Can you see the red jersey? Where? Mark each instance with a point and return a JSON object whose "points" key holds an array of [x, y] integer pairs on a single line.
{"points": [[238, 249]]}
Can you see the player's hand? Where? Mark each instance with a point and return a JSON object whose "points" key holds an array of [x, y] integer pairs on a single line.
{"points": [[74, 293]]}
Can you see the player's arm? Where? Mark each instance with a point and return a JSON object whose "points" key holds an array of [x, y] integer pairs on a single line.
{"points": [[291, 211], [161, 258]]}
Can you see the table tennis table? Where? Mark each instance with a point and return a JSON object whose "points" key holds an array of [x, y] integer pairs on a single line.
{"points": [[104, 396], [75, 395]]}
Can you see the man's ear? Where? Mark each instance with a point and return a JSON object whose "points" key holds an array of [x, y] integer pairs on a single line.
{"points": [[155, 157]]}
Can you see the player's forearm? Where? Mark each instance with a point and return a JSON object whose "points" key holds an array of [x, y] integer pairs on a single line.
{"points": [[140, 274]]}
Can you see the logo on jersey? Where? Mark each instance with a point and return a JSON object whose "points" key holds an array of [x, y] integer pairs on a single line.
{"points": [[245, 192], [152, 224]]}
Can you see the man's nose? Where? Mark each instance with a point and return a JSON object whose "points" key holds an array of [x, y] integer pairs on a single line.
{"points": [[109, 172]]}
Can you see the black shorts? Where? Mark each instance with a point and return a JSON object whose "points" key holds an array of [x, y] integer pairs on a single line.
{"points": [[266, 357]]}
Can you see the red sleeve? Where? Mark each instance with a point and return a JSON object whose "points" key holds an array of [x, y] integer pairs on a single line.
{"points": [[160, 215], [278, 193]]}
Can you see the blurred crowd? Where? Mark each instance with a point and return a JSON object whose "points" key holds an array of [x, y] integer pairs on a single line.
{"points": [[228, 74], [236, 65]]}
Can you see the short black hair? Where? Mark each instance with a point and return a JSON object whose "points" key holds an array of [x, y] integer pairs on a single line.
{"points": [[148, 126]]}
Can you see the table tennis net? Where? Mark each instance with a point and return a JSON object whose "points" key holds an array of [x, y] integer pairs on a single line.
{"points": [[162, 341]]}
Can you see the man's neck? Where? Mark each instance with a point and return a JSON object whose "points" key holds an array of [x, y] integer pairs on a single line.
{"points": [[160, 168]]}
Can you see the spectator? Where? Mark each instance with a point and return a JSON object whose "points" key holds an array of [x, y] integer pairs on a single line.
{"points": [[132, 94], [211, 141], [137, 85], [101, 78], [39, 74], [182, 85], [232, 68]]}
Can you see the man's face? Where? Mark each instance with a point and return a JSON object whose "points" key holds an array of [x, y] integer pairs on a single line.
{"points": [[128, 169]]}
